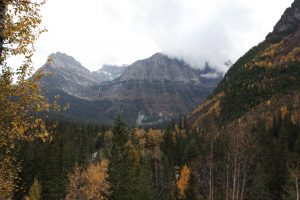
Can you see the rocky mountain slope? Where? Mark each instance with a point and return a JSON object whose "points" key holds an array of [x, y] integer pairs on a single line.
{"points": [[264, 84], [157, 88], [148, 91], [67, 75], [160, 67]]}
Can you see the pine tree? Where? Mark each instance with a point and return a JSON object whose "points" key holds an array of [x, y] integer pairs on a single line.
{"points": [[49, 177], [190, 151], [145, 188], [191, 190], [121, 169], [168, 175], [277, 165], [260, 189]]}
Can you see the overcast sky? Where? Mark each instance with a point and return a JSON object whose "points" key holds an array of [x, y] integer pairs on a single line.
{"points": [[98, 32]]}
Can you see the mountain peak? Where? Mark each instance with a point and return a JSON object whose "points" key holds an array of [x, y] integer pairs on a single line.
{"points": [[159, 55], [288, 23], [60, 60], [67, 74], [160, 67]]}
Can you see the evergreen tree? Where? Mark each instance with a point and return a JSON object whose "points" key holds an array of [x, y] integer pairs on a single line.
{"points": [[191, 190], [190, 151], [260, 189], [121, 172], [168, 175], [144, 186], [50, 173]]}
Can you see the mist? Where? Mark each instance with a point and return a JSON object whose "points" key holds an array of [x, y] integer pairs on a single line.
{"points": [[122, 31]]}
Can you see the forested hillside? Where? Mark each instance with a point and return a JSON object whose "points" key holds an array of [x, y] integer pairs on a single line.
{"points": [[241, 143], [256, 107]]}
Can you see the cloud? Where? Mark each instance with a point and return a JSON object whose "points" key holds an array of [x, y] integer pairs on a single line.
{"points": [[122, 31], [200, 31]]}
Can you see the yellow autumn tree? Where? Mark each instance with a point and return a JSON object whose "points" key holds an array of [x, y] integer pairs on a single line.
{"points": [[90, 183], [34, 191], [183, 181], [21, 102]]}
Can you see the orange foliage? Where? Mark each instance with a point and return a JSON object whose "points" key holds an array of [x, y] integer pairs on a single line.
{"points": [[183, 181]]}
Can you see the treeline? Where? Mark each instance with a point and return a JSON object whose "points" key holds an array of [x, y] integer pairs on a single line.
{"points": [[51, 161], [92, 162]]}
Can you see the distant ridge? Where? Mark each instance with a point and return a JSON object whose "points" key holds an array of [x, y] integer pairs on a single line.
{"points": [[158, 88]]}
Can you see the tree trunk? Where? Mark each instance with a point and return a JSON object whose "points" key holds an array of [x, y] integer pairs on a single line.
{"points": [[2, 14], [297, 186], [227, 178], [244, 181], [238, 181], [234, 178], [211, 188]]}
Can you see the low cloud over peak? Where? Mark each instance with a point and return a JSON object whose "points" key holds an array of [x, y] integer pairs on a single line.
{"points": [[122, 31]]}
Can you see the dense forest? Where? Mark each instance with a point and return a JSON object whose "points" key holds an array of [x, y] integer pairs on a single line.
{"points": [[83, 161], [243, 142]]}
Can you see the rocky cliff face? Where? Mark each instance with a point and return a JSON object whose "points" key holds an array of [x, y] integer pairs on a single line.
{"points": [[66, 74], [289, 23], [158, 88], [160, 67]]}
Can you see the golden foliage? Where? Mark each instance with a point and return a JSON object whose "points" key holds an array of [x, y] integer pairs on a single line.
{"points": [[133, 153], [294, 118], [155, 137], [141, 140], [21, 101], [210, 107], [7, 177], [108, 135], [90, 183], [206, 106], [216, 108], [276, 55], [283, 112], [35, 191], [21, 29], [294, 55], [183, 181], [154, 140]]}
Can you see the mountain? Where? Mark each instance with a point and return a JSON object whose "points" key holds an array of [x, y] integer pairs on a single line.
{"points": [[157, 88], [251, 122], [262, 85], [160, 67], [65, 74], [108, 72], [147, 92]]}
